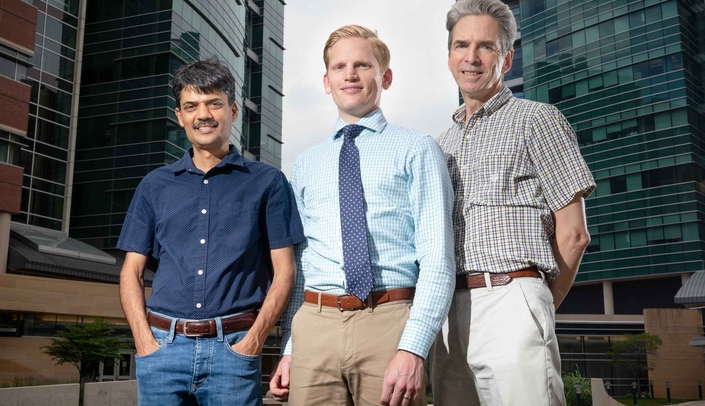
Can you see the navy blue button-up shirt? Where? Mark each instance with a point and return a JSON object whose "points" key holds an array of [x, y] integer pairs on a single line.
{"points": [[211, 233]]}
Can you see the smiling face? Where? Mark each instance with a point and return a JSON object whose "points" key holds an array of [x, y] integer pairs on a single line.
{"points": [[475, 58], [354, 78], [207, 119]]}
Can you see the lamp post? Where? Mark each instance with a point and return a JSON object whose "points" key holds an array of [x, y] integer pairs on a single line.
{"points": [[668, 393], [634, 393], [651, 388], [578, 394]]}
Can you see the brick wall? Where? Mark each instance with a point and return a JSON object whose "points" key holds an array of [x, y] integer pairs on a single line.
{"points": [[11, 186], [14, 104], [18, 23]]}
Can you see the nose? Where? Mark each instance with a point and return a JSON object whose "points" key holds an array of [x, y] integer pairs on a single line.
{"points": [[472, 56], [203, 112], [351, 73]]}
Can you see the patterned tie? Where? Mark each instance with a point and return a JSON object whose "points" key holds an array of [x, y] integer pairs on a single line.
{"points": [[353, 224]]}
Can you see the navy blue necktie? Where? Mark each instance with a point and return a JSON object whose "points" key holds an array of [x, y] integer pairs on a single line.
{"points": [[353, 224]]}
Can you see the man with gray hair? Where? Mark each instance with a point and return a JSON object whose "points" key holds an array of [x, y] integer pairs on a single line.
{"points": [[519, 224]]}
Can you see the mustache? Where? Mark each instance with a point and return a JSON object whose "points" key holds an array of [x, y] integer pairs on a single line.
{"points": [[201, 123]]}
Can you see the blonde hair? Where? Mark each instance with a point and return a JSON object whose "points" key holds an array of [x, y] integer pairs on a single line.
{"points": [[379, 48]]}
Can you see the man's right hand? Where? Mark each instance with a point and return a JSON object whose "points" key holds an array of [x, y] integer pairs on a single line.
{"points": [[279, 382], [148, 347]]}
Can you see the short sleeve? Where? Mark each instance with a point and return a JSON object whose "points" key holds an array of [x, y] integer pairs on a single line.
{"points": [[137, 233], [283, 223], [554, 151]]}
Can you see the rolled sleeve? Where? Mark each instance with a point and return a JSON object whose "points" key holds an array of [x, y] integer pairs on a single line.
{"points": [[283, 223], [555, 153], [137, 233]]}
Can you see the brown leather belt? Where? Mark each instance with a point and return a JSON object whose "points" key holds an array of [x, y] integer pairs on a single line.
{"points": [[497, 279], [352, 302], [204, 328]]}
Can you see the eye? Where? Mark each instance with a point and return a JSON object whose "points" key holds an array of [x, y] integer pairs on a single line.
{"points": [[217, 104], [189, 107], [488, 48], [338, 67]]}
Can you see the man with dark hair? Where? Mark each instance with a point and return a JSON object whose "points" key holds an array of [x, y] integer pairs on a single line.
{"points": [[519, 222], [222, 228]]}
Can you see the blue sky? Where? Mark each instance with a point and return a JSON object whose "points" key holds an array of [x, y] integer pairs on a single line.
{"points": [[423, 94]]}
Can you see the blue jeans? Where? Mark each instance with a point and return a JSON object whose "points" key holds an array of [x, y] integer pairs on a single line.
{"points": [[198, 371]]}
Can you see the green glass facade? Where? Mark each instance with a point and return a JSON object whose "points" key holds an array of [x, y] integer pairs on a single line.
{"points": [[127, 125], [44, 151], [629, 77]]}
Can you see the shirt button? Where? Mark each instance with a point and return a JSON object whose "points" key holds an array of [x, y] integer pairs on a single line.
{"points": [[200, 271], [205, 181], [204, 211], [198, 305], [203, 240]]}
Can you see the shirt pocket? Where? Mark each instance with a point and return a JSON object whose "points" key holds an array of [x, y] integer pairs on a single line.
{"points": [[492, 179]]}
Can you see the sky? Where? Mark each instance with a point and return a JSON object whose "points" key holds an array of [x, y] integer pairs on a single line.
{"points": [[423, 94]]}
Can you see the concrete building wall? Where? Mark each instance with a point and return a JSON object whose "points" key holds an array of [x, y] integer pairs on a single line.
{"points": [[24, 362], [53, 395], [46, 295], [676, 361], [22, 356]]}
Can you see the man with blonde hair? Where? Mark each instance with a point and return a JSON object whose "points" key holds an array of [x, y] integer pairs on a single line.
{"points": [[376, 269], [519, 222]]}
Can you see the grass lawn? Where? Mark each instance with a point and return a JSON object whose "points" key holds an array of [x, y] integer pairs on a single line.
{"points": [[650, 402]]}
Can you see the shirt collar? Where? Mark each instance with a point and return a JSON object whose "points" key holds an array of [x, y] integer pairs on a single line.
{"points": [[186, 162], [488, 108], [373, 121]]}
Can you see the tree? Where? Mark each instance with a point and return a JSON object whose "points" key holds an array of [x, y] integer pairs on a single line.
{"points": [[631, 353], [85, 346]]}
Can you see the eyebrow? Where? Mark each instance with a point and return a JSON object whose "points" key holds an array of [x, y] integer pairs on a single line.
{"points": [[204, 101]]}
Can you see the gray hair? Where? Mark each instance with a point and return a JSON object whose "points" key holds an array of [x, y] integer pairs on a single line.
{"points": [[495, 9]]}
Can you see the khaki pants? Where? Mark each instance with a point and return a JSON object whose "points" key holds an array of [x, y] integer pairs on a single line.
{"points": [[499, 347], [339, 358]]}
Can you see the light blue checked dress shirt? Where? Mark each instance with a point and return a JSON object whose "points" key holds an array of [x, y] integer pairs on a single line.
{"points": [[409, 200]]}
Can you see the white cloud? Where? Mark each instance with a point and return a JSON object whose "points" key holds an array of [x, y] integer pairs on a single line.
{"points": [[423, 94]]}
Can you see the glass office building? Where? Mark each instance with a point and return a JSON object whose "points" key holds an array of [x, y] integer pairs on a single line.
{"points": [[44, 152], [629, 76], [127, 125]]}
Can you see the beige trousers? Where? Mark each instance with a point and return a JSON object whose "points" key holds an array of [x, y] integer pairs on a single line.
{"points": [[499, 348], [339, 358]]}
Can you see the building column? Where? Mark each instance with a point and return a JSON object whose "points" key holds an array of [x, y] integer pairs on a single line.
{"points": [[608, 297]]}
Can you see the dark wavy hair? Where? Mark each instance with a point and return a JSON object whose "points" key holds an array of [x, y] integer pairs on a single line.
{"points": [[206, 76]]}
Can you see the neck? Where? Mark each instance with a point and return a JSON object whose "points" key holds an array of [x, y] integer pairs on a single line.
{"points": [[206, 160]]}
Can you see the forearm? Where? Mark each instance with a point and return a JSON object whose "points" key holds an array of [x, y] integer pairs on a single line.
{"points": [[132, 299], [277, 298], [568, 246]]}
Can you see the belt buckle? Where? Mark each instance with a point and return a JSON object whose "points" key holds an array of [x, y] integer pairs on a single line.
{"points": [[193, 335], [340, 308]]}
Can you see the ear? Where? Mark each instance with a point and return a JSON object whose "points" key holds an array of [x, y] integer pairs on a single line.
{"points": [[178, 116], [326, 83], [234, 111], [508, 58], [387, 79]]}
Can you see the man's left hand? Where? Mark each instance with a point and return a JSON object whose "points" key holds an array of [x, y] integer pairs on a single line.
{"points": [[247, 346], [403, 379]]}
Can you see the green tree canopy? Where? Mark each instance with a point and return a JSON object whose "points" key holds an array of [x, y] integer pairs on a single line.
{"points": [[631, 353], [85, 346]]}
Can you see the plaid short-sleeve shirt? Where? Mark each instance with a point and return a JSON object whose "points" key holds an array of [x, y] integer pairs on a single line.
{"points": [[514, 163]]}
